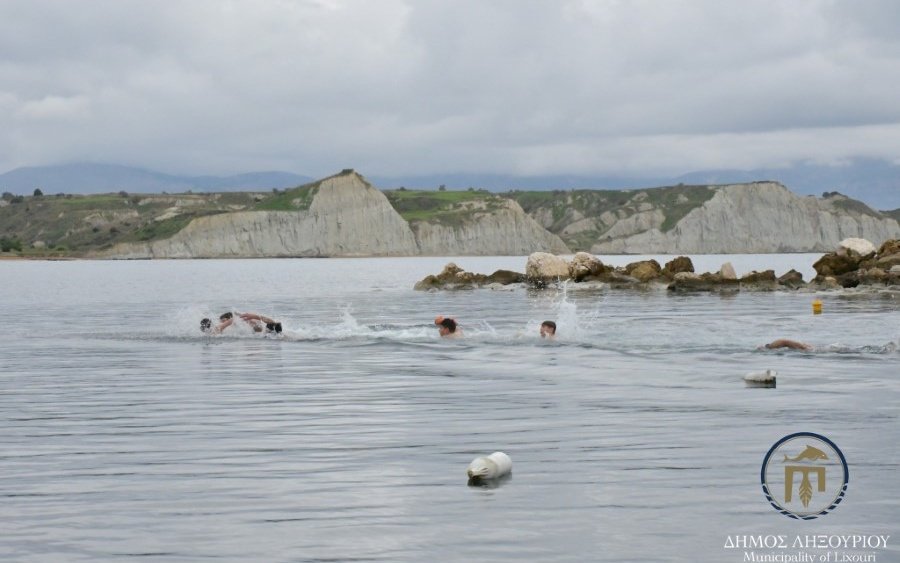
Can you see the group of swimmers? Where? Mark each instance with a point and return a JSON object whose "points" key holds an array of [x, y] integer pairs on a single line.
{"points": [[447, 326]]}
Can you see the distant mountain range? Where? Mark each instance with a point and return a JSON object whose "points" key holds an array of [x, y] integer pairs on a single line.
{"points": [[89, 178], [875, 182]]}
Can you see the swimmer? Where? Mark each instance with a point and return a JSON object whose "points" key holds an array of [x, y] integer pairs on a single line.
{"points": [[448, 327], [785, 343], [259, 323], [548, 330]]}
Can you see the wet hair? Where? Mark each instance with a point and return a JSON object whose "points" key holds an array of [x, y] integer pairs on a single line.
{"points": [[226, 316], [449, 324], [205, 324], [550, 324], [274, 327]]}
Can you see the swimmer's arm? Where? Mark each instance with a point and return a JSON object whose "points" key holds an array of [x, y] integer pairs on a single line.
{"points": [[792, 344], [223, 325], [254, 317]]}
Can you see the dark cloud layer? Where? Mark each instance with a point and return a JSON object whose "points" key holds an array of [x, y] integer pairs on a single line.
{"points": [[420, 87]]}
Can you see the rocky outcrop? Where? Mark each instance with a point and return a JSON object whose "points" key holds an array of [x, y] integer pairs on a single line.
{"points": [[544, 270], [847, 267], [761, 217], [688, 282], [500, 229], [454, 277]]}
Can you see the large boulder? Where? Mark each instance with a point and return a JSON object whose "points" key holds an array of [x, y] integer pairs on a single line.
{"points": [[645, 270], [791, 280], [451, 277], [834, 264], [505, 277], [759, 281], [584, 265], [677, 266], [543, 268], [888, 247], [888, 255], [727, 271], [856, 247]]}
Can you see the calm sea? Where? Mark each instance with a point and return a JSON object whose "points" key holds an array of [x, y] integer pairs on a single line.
{"points": [[127, 434]]}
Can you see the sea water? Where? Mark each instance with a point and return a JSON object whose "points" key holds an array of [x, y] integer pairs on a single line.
{"points": [[127, 433]]}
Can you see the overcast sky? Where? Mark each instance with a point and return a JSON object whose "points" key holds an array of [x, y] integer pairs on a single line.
{"points": [[394, 87]]}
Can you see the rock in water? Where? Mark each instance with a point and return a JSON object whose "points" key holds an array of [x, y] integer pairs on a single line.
{"points": [[584, 265], [834, 264], [858, 246], [727, 272], [678, 265], [543, 268], [761, 379], [494, 466], [644, 270], [791, 279]]}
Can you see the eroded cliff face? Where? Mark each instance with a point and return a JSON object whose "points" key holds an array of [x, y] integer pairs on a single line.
{"points": [[501, 230], [761, 217], [347, 217]]}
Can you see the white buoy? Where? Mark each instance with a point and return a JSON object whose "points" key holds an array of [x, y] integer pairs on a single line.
{"points": [[494, 466], [761, 379]]}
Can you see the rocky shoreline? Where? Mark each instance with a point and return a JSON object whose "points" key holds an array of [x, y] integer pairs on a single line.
{"points": [[855, 263]]}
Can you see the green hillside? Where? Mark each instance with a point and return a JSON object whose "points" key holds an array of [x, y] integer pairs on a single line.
{"points": [[444, 207], [63, 224], [557, 210]]}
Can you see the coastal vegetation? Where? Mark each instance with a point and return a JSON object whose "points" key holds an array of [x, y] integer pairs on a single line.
{"points": [[68, 224], [442, 206], [52, 225]]}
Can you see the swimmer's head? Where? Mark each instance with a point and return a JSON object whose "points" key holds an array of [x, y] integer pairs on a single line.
{"points": [[226, 316], [548, 329], [273, 327], [205, 325], [447, 326]]}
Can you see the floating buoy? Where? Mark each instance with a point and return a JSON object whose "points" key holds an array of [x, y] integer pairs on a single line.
{"points": [[494, 466], [817, 307], [761, 379]]}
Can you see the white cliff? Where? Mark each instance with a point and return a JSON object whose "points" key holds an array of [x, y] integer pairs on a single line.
{"points": [[760, 217], [497, 230], [347, 217]]}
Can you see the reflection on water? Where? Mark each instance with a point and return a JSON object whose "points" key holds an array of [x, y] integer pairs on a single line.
{"points": [[128, 433]]}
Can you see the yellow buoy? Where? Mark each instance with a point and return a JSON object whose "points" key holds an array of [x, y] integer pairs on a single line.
{"points": [[817, 307]]}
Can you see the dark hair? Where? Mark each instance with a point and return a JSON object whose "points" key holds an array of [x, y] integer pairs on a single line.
{"points": [[273, 327], [449, 324], [226, 316], [550, 324], [205, 324]]}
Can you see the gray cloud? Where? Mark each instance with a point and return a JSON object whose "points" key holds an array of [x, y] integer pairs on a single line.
{"points": [[413, 87]]}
